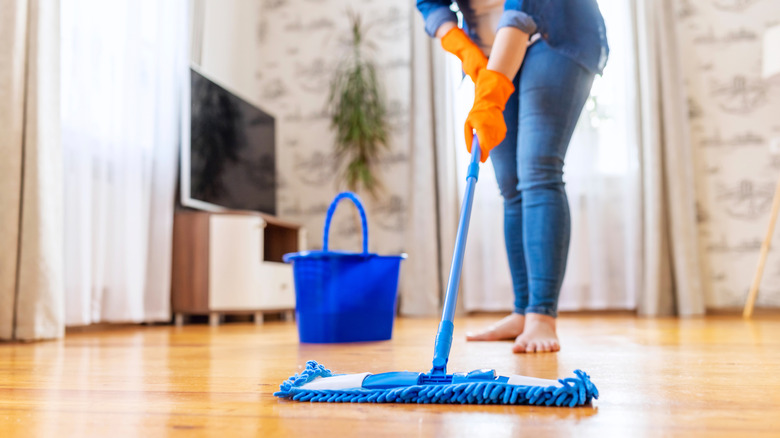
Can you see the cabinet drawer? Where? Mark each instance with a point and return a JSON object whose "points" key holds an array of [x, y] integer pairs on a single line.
{"points": [[276, 286]]}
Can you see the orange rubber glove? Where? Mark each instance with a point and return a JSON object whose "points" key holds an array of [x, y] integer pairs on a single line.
{"points": [[487, 115], [459, 44]]}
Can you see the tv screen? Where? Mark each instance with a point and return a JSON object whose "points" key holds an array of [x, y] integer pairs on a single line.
{"points": [[230, 162]]}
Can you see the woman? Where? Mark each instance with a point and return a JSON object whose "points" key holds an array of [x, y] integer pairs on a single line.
{"points": [[544, 55]]}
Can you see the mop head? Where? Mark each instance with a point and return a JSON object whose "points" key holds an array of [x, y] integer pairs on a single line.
{"points": [[318, 384]]}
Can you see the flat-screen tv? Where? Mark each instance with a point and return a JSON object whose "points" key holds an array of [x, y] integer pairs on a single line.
{"points": [[228, 158]]}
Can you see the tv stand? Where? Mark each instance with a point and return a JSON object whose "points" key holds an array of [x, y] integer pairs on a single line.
{"points": [[230, 263]]}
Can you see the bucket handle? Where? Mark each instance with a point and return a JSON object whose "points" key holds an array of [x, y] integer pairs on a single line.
{"points": [[332, 209]]}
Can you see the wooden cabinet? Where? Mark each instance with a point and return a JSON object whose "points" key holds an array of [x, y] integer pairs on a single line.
{"points": [[231, 263]]}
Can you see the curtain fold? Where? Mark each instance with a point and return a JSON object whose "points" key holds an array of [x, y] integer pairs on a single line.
{"points": [[450, 172], [123, 65], [31, 272], [671, 271], [430, 230]]}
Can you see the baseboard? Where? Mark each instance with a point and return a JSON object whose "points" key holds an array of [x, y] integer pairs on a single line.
{"points": [[100, 327]]}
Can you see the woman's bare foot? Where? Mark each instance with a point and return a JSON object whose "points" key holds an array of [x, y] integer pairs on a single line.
{"points": [[508, 328], [538, 335]]}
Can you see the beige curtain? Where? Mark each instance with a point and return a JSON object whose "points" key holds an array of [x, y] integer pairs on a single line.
{"points": [[433, 198], [31, 286], [671, 273]]}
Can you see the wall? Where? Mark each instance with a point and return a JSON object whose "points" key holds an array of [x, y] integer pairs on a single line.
{"points": [[734, 119], [300, 43], [224, 51]]}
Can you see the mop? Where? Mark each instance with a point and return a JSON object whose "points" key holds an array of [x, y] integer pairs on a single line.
{"points": [[318, 384]]}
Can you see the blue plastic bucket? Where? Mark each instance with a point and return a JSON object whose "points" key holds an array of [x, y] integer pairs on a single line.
{"points": [[342, 296]]}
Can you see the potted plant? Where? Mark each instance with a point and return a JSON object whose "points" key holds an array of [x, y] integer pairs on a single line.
{"points": [[358, 113]]}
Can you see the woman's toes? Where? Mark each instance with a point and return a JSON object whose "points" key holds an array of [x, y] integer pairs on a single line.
{"points": [[538, 335]]}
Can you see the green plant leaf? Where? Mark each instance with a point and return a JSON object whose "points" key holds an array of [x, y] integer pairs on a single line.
{"points": [[358, 114]]}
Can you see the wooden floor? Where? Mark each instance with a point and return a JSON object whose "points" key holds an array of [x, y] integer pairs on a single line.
{"points": [[718, 377]]}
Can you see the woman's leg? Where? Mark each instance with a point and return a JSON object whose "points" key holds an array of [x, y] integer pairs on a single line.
{"points": [[553, 90], [504, 159]]}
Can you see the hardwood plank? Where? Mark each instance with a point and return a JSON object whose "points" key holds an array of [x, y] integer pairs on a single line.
{"points": [[712, 376]]}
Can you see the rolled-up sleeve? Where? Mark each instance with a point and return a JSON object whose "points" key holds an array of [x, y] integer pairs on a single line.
{"points": [[514, 16], [435, 13]]}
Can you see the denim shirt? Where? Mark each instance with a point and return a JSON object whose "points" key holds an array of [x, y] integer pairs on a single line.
{"points": [[574, 28]]}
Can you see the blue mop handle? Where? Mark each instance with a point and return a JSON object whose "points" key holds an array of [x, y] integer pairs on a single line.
{"points": [[441, 352]]}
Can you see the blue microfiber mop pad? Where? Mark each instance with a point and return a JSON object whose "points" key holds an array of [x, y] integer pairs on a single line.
{"points": [[318, 384]]}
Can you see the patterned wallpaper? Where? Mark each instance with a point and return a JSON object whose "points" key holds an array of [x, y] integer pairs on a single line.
{"points": [[300, 44], [734, 120]]}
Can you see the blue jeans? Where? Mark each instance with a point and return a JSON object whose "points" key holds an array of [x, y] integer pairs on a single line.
{"points": [[550, 91]]}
